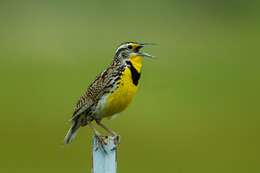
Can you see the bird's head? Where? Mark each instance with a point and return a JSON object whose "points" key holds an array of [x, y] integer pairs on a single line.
{"points": [[128, 50]]}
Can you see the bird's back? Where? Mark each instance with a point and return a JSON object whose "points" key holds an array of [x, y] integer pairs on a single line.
{"points": [[99, 87], [113, 90]]}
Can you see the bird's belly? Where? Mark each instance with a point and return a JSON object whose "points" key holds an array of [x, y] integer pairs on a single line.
{"points": [[121, 96]]}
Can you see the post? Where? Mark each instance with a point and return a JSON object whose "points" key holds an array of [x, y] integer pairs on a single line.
{"points": [[104, 161]]}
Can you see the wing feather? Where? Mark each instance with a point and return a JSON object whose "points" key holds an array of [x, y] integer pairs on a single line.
{"points": [[94, 91]]}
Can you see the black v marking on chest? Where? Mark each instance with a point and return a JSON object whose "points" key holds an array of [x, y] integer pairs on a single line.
{"points": [[134, 73]]}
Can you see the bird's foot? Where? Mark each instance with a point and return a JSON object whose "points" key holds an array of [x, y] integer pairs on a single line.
{"points": [[101, 142], [116, 140]]}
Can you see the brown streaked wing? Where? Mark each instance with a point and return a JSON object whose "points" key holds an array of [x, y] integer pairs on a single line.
{"points": [[94, 91]]}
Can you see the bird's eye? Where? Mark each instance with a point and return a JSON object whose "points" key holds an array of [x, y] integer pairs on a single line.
{"points": [[130, 46]]}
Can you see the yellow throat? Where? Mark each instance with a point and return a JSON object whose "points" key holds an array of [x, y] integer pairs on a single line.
{"points": [[137, 62], [127, 88]]}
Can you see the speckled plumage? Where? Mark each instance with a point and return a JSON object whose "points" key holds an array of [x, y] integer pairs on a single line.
{"points": [[100, 86], [111, 91]]}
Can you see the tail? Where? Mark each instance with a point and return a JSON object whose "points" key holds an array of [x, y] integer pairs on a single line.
{"points": [[71, 133]]}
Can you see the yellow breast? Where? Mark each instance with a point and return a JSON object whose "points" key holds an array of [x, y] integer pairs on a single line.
{"points": [[126, 89]]}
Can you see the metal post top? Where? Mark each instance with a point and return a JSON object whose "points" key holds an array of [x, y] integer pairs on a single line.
{"points": [[104, 158]]}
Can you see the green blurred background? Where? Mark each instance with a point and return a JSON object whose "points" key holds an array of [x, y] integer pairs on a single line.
{"points": [[197, 109]]}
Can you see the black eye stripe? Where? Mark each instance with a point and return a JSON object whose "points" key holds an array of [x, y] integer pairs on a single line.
{"points": [[130, 47]]}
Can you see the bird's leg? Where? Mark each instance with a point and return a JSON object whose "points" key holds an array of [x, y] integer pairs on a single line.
{"points": [[106, 128], [100, 139], [117, 137]]}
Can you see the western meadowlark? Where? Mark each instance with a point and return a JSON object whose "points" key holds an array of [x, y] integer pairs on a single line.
{"points": [[111, 91]]}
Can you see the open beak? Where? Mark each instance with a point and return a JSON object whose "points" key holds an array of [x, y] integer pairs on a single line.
{"points": [[144, 54]]}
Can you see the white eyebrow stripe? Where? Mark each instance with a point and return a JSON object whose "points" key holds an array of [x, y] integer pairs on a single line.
{"points": [[122, 46]]}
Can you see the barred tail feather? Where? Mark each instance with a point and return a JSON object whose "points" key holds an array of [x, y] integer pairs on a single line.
{"points": [[71, 133]]}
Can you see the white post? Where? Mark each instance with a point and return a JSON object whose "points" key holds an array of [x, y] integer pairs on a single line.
{"points": [[104, 161]]}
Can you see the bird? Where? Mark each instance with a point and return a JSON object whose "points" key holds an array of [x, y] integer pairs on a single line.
{"points": [[111, 92]]}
